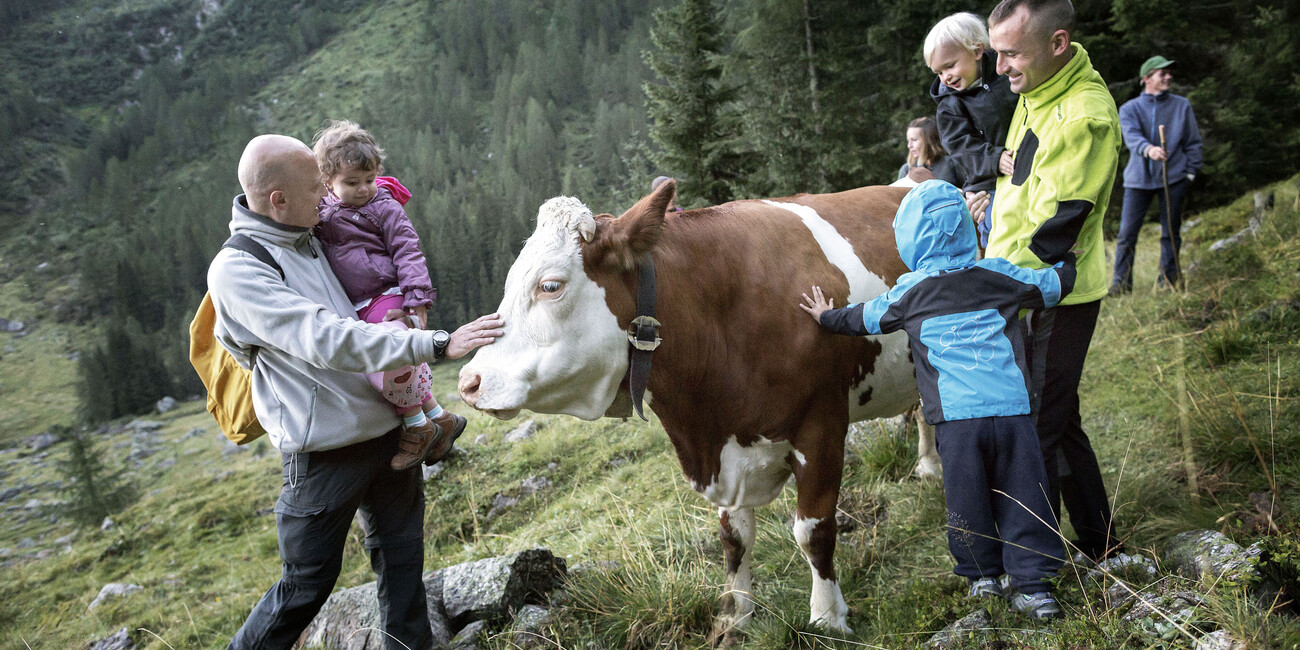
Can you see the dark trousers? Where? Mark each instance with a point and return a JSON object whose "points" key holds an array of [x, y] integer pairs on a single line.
{"points": [[321, 494], [1058, 344], [999, 518], [1136, 203]]}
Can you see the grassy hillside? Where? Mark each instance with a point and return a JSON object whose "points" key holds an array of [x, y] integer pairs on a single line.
{"points": [[200, 538]]}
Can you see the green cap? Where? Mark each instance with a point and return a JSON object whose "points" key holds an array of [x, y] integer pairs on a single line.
{"points": [[1154, 63]]}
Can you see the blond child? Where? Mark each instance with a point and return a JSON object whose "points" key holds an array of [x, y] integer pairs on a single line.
{"points": [[975, 105], [374, 250]]}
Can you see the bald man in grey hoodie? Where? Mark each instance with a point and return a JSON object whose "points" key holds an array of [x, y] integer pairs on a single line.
{"points": [[298, 335]]}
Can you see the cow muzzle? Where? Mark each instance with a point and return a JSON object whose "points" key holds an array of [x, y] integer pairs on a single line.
{"points": [[470, 388]]}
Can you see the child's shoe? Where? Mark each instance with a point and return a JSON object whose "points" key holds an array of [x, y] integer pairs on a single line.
{"points": [[415, 443], [452, 426], [1041, 606], [985, 588]]}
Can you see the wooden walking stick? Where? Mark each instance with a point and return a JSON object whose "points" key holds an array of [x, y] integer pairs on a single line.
{"points": [[1169, 212]]}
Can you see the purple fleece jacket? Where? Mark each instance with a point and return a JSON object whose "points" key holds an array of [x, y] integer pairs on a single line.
{"points": [[374, 248]]}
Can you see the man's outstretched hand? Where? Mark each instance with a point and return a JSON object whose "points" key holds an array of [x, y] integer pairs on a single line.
{"points": [[482, 331]]}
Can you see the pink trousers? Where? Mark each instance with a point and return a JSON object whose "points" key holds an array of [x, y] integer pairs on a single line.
{"points": [[406, 387]]}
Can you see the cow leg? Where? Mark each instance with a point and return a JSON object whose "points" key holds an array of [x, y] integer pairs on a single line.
{"points": [[736, 530], [927, 462], [817, 476]]}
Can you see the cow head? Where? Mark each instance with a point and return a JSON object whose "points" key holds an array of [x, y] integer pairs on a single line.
{"points": [[564, 350]]}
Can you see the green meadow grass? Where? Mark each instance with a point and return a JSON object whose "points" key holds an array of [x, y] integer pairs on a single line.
{"points": [[200, 538]]}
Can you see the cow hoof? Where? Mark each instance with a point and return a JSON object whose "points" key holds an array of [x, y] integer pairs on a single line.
{"points": [[927, 469], [725, 635]]}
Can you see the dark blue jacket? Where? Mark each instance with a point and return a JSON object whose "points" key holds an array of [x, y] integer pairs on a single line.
{"points": [[961, 315], [1140, 119], [973, 123]]}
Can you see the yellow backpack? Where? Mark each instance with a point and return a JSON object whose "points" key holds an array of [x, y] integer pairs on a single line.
{"points": [[230, 387]]}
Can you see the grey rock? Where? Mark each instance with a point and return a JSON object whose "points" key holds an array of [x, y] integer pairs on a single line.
{"points": [[1210, 555], [33, 504], [42, 441], [1162, 609], [593, 566], [500, 503], [9, 493], [7, 325], [195, 432], [430, 471], [488, 590], [107, 524], [232, 448], [143, 426], [350, 620], [974, 625], [535, 484], [1219, 640], [522, 432], [165, 404], [26, 542], [1123, 564], [481, 439], [113, 590], [121, 640], [470, 637], [529, 629]]}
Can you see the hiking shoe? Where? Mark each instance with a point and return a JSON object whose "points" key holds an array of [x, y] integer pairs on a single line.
{"points": [[452, 425], [1041, 606], [985, 588], [415, 443]]}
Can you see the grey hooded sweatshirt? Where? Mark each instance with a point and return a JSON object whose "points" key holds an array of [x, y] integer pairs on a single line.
{"points": [[308, 390]]}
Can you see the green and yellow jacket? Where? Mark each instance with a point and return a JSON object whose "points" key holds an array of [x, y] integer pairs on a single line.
{"points": [[1066, 138]]}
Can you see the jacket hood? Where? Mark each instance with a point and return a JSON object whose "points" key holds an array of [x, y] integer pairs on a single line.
{"points": [[244, 220], [934, 229], [988, 72]]}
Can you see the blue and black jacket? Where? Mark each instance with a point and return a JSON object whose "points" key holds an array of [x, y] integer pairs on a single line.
{"points": [[961, 315]]}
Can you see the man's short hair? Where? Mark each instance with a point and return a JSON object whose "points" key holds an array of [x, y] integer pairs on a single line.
{"points": [[1045, 16], [964, 29]]}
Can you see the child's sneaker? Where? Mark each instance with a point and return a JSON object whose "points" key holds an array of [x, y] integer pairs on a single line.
{"points": [[415, 444], [985, 588], [452, 426], [1041, 606]]}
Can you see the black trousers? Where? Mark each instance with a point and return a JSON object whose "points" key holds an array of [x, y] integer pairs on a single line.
{"points": [[999, 518], [1058, 341], [321, 494], [1136, 203]]}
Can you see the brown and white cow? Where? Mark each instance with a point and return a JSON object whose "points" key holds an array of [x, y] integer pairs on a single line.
{"points": [[747, 386]]}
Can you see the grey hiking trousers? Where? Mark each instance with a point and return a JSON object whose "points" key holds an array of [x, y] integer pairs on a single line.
{"points": [[321, 494]]}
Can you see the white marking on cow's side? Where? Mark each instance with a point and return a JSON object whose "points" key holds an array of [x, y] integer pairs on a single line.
{"points": [[827, 601], [748, 476], [892, 382], [740, 585], [863, 284]]}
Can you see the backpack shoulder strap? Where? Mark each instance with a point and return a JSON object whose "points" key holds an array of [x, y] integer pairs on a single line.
{"points": [[250, 246]]}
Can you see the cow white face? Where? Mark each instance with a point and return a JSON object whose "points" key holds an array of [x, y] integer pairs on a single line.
{"points": [[562, 351]]}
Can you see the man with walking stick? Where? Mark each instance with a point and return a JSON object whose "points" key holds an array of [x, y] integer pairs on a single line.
{"points": [[1164, 142]]}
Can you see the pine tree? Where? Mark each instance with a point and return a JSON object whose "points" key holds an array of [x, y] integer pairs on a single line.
{"points": [[93, 492], [694, 117]]}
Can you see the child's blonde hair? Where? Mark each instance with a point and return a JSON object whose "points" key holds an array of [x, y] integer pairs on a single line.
{"points": [[344, 144], [964, 29]]}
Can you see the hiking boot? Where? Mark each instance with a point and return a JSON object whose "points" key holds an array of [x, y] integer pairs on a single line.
{"points": [[1117, 290], [452, 426], [985, 588], [1041, 606], [415, 444]]}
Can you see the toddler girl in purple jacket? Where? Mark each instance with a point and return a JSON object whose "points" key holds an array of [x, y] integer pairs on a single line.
{"points": [[374, 251]]}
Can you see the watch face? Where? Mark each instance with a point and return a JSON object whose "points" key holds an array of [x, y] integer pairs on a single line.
{"points": [[441, 338]]}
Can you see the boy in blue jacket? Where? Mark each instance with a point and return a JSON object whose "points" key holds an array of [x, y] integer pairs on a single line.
{"points": [[961, 316]]}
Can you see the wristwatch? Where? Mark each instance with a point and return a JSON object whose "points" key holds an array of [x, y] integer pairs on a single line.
{"points": [[440, 340]]}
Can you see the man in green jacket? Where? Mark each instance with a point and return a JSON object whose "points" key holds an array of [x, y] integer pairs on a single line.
{"points": [[1064, 148]]}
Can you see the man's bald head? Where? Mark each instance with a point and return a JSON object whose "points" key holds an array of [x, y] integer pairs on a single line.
{"points": [[278, 173]]}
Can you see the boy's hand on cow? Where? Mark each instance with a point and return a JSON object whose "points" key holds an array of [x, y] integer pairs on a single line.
{"points": [[816, 304], [1006, 164], [482, 331]]}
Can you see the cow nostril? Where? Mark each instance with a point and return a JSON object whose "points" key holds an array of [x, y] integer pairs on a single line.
{"points": [[468, 388]]}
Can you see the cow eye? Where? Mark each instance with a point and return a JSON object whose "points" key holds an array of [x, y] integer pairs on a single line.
{"points": [[549, 289]]}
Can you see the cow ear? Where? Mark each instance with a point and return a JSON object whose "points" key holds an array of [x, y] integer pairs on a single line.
{"points": [[619, 243]]}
